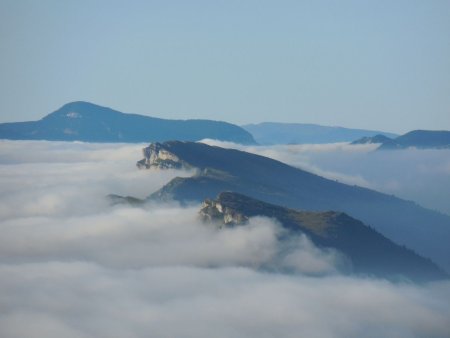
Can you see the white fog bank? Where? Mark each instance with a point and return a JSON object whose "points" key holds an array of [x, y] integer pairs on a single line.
{"points": [[71, 265]]}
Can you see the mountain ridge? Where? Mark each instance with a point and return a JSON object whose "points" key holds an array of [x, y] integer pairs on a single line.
{"points": [[369, 251], [84, 121], [422, 139], [271, 181]]}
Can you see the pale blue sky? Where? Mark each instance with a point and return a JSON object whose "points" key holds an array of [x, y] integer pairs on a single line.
{"points": [[369, 64]]}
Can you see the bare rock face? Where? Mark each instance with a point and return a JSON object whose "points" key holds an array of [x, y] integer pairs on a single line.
{"points": [[157, 156], [214, 211]]}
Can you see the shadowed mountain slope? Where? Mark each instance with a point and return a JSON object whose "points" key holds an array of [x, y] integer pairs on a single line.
{"points": [[369, 251]]}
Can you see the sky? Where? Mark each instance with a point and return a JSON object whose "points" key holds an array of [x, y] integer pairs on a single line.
{"points": [[381, 65], [73, 266]]}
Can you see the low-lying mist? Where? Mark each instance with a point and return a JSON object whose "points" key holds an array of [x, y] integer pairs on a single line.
{"points": [[72, 265], [420, 175]]}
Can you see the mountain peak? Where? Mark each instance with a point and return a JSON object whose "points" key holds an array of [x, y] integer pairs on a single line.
{"points": [[79, 109], [85, 121], [80, 105]]}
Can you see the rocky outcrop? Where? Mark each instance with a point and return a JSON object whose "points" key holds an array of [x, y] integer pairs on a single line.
{"points": [[157, 156], [213, 210]]}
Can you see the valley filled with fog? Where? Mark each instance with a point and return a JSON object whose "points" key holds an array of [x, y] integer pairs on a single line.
{"points": [[73, 265]]}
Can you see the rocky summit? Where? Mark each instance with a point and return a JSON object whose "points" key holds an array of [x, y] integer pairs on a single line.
{"points": [[157, 156], [214, 210]]}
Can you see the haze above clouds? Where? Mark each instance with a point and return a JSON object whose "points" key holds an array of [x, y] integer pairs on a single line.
{"points": [[379, 65], [420, 175], [73, 266]]}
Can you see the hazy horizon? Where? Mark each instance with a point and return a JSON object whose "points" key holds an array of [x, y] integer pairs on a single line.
{"points": [[378, 65], [224, 120]]}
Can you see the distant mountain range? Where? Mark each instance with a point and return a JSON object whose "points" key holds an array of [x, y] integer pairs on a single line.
{"points": [[271, 181], [423, 139], [83, 121], [268, 133], [369, 251]]}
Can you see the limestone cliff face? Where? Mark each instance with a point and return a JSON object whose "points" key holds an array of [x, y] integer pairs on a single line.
{"points": [[157, 156], [213, 210]]}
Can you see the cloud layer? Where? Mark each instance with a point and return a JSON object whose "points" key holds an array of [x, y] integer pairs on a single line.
{"points": [[81, 299], [73, 266]]}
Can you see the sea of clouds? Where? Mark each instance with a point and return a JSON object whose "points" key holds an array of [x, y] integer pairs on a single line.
{"points": [[72, 265]]}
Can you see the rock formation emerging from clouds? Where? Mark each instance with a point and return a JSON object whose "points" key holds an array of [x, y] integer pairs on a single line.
{"points": [[368, 251], [217, 170]]}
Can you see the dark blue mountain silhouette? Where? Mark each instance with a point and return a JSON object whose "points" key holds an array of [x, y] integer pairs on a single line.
{"points": [[422, 139], [83, 121]]}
